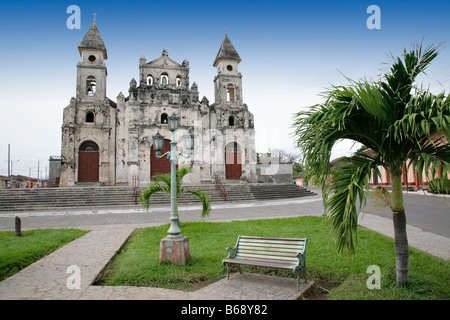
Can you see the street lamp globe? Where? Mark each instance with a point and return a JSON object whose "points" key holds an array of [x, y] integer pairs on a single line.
{"points": [[174, 122], [188, 141], [158, 142]]}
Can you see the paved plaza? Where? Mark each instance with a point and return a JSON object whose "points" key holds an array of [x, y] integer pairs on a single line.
{"points": [[110, 228]]}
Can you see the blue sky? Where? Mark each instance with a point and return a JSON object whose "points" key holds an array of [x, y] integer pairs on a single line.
{"points": [[291, 51]]}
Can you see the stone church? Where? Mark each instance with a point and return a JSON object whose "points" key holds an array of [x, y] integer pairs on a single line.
{"points": [[110, 143]]}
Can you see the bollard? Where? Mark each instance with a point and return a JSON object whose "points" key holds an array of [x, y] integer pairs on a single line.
{"points": [[18, 227]]}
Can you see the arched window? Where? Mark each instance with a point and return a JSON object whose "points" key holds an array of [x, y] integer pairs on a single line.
{"points": [[164, 118], [231, 121], [91, 86], [164, 79], [90, 117], [178, 81], [230, 92], [149, 80], [89, 146], [232, 147]]}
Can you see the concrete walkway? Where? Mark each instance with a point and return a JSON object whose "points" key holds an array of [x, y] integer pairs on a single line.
{"points": [[54, 277]]}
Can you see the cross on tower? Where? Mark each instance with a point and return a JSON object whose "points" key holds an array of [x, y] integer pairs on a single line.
{"points": [[95, 15]]}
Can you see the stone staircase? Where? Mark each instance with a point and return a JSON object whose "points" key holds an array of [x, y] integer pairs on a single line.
{"points": [[93, 197], [277, 191]]}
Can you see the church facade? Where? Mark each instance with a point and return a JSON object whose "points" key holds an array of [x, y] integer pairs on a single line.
{"points": [[110, 143]]}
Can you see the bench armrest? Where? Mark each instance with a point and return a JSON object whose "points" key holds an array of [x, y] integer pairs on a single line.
{"points": [[231, 252], [301, 259], [302, 256]]}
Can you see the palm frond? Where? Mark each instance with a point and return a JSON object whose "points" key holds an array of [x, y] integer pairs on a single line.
{"points": [[204, 198], [425, 130], [348, 183], [426, 115], [181, 172], [319, 128], [144, 196], [399, 82], [432, 160], [163, 178]]}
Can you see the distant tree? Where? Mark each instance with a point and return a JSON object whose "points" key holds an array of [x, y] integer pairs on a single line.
{"points": [[297, 168], [284, 156]]}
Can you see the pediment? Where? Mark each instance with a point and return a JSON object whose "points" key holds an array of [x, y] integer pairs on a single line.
{"points": [[164, 62]]}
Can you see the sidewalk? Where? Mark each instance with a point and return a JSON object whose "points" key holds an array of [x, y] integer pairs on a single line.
{"points": [[434, 244], [48, 277]]}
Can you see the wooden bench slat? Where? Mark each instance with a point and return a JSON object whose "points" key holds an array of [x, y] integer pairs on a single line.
{"points": [[271, 241], [261, 263], [249, 255], [281, 245], [267, 252], [266, 256], [272, 249], [272, 238], [273, 245]]}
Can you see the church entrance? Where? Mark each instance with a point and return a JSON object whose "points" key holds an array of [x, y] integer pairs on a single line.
{"points": [[233, 166], [88, 162], [160, 165]]}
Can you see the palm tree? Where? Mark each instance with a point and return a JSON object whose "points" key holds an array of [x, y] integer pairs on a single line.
{"points": [[162, 183], [397, 124]]}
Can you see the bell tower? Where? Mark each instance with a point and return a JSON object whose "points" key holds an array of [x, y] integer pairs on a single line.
{"points": [[91, 71], [228, 82], [87, 151]]}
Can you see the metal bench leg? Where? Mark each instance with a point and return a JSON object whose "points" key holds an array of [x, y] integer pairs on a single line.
{"points": [[239, 266], [228, 272], [298, 281]]}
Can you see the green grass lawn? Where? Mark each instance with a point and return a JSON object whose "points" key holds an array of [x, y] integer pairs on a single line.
{"points": [[18, 252], [138, 262]]}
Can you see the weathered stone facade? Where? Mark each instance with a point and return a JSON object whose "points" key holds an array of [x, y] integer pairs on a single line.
{"points": [[110, 143]]}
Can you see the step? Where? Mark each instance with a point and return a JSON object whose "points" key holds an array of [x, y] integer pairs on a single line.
{"points": [[96, 197]]}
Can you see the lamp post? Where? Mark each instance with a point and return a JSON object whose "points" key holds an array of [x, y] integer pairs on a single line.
{"points": [[174, 231]]}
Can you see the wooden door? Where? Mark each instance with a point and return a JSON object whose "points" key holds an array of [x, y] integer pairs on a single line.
{"points": [[233, 166], [160, 165], [88, 166]]}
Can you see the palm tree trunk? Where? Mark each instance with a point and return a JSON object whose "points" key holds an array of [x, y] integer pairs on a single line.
{"points": [[324, 211], [401, 238]]}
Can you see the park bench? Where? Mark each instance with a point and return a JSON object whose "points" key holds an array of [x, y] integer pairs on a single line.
{"points": [[282, 253]]}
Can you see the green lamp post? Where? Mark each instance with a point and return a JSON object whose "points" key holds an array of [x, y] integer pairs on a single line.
{"points": [[174, 231]]}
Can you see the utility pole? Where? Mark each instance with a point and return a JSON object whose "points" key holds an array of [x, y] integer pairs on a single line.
{"points": [[38, 174], [9, 168], [12, 165], [9, 159]]}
